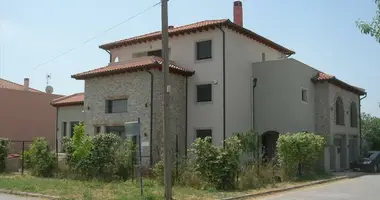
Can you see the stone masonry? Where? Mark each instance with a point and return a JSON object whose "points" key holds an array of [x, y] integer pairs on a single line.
{"points": [[136, 88]]}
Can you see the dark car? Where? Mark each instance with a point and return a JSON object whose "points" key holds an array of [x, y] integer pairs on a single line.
{"points": [[369, 162]]}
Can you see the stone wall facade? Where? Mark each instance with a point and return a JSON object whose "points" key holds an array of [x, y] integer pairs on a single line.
{"points": [[136, 87]]}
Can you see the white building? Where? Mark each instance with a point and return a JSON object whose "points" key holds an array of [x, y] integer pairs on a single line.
{"points": [[214, 65]]}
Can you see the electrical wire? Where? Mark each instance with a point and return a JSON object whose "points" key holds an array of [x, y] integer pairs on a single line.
{"points": [[90, 39]]}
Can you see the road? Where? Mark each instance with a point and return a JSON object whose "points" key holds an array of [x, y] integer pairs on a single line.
{"points": [[12, 197], [366, 187]]}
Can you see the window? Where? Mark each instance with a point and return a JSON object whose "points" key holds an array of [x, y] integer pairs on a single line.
{"points": [[157, 53], [64, 129], [204, 50], [118, 130], [339, 111], [263, 57], [304, 95], [204, 93], [203, 133], [72, 125], [97, 129], [354, 115], [116, 106]]}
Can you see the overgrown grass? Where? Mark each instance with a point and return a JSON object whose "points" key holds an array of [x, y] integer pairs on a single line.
{"points": [[94, 190]]}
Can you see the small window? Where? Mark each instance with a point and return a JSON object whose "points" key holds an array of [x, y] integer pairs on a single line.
{"points": [[157, 53], [204, 93], [118, 130], [263, 57], [116, 106], [304, 95], [97, 129], [204, 50], [203, 133], [64, 129]]}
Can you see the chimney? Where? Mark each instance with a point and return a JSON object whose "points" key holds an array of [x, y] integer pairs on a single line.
{"points": [[238, 13], [26, 84]]}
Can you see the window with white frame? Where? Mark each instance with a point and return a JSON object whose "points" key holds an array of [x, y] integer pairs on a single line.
{"points": [[304, 95], [204, 93]]}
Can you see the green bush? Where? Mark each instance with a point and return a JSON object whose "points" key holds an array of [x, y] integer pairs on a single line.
{"points": [[299, 152], [125, 159], [41, 159], [4, 150], [218, 165]]}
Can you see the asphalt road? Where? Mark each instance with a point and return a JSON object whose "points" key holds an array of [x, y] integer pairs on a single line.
{"points": [[12, 197], [366, 187]]}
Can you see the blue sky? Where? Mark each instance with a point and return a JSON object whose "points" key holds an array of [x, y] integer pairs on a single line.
{"points": [[322, 33]]}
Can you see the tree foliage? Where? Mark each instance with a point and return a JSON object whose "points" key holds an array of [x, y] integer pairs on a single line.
{"points": [[40, 158], [371, 28], [370, 126], [299, 150], [4, 149]]}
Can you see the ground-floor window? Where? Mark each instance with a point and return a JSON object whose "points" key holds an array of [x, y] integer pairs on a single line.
{"points": [[203, 133]]}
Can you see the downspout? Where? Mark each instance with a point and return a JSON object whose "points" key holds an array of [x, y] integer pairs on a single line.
{"points": [[186, 84], [56, 132], [360, 124], [224, 84], [151, 117]]}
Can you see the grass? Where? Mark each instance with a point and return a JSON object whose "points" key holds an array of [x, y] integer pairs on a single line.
{"points": [[94, 190]]}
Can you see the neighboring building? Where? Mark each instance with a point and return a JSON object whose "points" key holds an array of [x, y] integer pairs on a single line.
{"points": [[25, 113], [213, 65], [69, 113], [292, 97]]}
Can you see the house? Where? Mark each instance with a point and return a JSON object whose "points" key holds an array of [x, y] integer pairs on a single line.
{"points": [[70, 112], [213, 90], [26, 114]]}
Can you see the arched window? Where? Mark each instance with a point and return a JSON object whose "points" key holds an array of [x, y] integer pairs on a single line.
{"points": [[354, 115], [339, 111]]}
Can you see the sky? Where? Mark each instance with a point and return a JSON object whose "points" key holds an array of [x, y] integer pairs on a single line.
{"points": [[323, 34]]}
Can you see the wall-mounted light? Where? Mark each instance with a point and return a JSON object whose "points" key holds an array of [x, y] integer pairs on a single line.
{"points": [[215, 82], [88, 107]]}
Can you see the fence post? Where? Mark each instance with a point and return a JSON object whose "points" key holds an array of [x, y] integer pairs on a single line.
{"points": [[23, 157]]}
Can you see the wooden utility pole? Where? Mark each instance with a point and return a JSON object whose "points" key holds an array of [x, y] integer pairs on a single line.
{"points": [[166, 129]]}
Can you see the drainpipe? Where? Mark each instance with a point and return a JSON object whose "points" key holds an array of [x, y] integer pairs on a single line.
{"points": [[254, 83], [360, 124], [151, 117], [224, 84], [186, 84]]}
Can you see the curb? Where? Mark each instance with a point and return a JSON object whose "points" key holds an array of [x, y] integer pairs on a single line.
{"points": [[275, 191], [28, 194]]}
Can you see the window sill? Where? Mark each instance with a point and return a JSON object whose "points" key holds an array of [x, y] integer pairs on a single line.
{"points": [[203, 60]]}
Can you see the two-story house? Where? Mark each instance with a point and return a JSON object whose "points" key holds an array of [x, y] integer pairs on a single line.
{"points": [[214, 65]]}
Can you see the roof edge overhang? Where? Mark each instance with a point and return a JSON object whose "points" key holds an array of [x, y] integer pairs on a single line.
{"points": [[341, 84], [227, 23]]}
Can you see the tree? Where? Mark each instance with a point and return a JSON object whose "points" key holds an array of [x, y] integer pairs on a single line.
{"points": [[371, 28], [370, 126]]}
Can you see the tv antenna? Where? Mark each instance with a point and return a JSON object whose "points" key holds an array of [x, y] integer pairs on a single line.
{"points": [[49, 89]]}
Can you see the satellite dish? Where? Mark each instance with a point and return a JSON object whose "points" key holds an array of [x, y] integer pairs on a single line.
{"points": [[49, 89]]}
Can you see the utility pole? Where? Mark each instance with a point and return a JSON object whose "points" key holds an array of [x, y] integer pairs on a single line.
{"points": [[166, 132]]}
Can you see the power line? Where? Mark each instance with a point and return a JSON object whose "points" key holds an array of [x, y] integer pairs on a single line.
{"points": [[90, 39]]}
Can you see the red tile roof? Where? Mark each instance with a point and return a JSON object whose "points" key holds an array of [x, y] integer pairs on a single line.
{"points": [[137, 64], [71, 100], [323, 77], [198, 26], [14, 86]]}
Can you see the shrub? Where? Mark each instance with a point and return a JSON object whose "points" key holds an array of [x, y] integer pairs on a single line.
{"points": [[125, 159], [4, 149], [218, 165], [299, 151], [42, 160]]}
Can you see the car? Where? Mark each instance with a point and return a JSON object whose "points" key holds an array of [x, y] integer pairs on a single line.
{"points": [[369, 162]]}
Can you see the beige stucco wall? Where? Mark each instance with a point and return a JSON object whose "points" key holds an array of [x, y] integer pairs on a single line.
{"points": [[26, 115], [278, 103], [68, 114], [136, 87]]}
